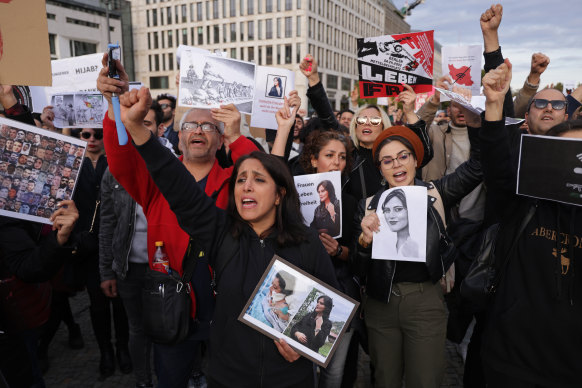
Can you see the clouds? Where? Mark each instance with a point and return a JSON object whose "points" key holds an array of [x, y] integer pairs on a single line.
{"points": [[526, 28]]}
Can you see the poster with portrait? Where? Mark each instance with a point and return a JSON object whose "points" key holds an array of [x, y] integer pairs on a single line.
{"points": [[555, 161], [288, 303], [79, 110], [208, 81], [385, 62], [320, 196], [463, 64], [272, 84], [402, 214], [38, 169]]}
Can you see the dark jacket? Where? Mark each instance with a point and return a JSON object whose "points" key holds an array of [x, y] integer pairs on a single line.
{"points": [[116, 229], [322, 219], [307, 326], [379, 274], [239, 355]]}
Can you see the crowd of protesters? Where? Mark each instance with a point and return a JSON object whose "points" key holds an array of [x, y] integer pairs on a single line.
{"points": [[200, 182]]}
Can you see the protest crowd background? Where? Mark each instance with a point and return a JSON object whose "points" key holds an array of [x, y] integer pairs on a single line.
{"points": [[429, 210]]}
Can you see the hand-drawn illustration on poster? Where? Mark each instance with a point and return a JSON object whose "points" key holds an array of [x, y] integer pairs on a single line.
{"points": [[320, 196], [402, 215], [288, 302], [208, 81], [385, 62], [555, 161], [38, 169], [271, 85], [463, 65], [79, 110]]}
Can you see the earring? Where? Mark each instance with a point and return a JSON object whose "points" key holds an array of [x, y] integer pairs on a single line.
{"points": [[277, 202]]}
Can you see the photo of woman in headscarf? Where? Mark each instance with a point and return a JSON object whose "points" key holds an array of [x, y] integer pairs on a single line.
{"points": [[396, 215], [312, 330], [326, 218], [277, 88]]}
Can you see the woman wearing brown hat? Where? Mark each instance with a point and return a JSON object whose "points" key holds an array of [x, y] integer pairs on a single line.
{"points": [[404, 309]]}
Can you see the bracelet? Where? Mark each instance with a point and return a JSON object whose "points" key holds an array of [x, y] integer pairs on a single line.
{"points": [[362, 242]]}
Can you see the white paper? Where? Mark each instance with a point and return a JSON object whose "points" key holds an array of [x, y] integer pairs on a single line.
{"points": [[268, 96], [463, 65], [79, 110], [312, 190], [402, 234]]}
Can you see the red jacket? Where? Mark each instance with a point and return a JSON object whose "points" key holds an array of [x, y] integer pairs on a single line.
{"points": [[130, 170]]}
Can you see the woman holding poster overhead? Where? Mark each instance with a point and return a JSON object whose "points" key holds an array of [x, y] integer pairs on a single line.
{"points": [[404, 309]]}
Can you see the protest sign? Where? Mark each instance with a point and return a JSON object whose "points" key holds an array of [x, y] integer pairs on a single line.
{"points": [[208, 81], [385, 62], [463, 65], [555, 161], [402, 214], [24, 44], [271, 85], [421, 99], [321, 201], [287, 311], [38, 168], [79, 110]]}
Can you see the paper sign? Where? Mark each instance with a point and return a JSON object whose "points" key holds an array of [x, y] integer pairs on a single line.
{"points": [[463, 65], [271, 85], [555, 161], [402, 214], [385, 62], [24, 44], [79, 110], [421, 99], [320, 196], [38, 168], [208, 81]]}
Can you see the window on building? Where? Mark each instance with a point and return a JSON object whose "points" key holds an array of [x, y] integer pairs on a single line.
{"points": [[199, 11], [259, 9], [251, 30], [233, 32], [216, 34], [149, 40], [251, 54], [200, 35], [241, 8], [156, 62], [278, 27], [298, 53], [346, 83], [288, 5], [215, 13], [260, 61], [207, 35], [163, 62], [269, 55], [150, 63], [82, 23], [298, 4], [51, 16], [260, 30], [278, 5], [168, 15], [160, 82], [241, 31], [148, 17], [331, 82], [268, 6], [250, 7], [298, 31], [170, 61], [176, 14], [191, 12], [278, 54], [224, 34], [233, 53], [184, 13], [170, 40], [207, 10], [288, 53], [53, 45], [163, 40], [269, 29], [232, 8], [184, 36], [288, 27], [223, 8], [154, 17]]}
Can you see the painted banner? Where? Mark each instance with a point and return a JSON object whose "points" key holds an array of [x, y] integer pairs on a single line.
{"points": [[24, 44], [272, 84], [463, 65], [386, 62], [555, 161]]}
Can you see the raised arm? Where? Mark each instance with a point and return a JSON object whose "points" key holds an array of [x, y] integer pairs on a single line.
{"points": [[285, 121], [539, 63], [316, 93]]}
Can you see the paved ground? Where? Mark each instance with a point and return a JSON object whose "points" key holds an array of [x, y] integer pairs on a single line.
{"points": [[79, 368]]}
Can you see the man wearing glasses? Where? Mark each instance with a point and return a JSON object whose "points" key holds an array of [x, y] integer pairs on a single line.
{"points": [[168, 105], [546, 109]]}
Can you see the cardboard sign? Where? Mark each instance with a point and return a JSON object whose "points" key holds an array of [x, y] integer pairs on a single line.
{"points": [[463, 65], [320, 196], [272, 84], [550, 168], [38, 168], [24, 45], [402, 214], [288, 314], [385, 62]]}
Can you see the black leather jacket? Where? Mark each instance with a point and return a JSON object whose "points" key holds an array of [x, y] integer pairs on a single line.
{"points": [[377, 275]]}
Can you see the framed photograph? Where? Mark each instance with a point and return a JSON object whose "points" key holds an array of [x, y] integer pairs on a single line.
{"points": [[34, 171], [291, 304], [402, 236]]}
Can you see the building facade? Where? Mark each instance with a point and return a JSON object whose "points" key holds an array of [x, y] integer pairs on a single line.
{"points": [[267, 32]]}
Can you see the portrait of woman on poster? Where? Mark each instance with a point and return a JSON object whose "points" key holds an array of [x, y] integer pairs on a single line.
{"points": [[326, 218], [277, 89], [396, 215], [312, 330]]}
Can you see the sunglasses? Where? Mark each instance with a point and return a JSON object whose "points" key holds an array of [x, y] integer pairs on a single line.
{"points": [[541, 103], [164, 106], [361, 120], [96, 135], [192, 126]]}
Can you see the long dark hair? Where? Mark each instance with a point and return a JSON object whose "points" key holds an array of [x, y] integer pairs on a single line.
{"points": [[328, 186], [328, 303], [288, 219]]}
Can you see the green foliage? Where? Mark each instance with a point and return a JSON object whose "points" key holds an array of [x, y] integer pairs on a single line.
{"points": [[559, 86]]}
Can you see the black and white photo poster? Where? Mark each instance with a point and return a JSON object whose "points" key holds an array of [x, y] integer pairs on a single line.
{"points": [[291, 304], [321, 198], [402, 214]]}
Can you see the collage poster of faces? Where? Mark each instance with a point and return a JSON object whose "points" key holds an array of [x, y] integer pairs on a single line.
{"points": [[321, 201], [402, 236], [289, 303], [38, 169]]}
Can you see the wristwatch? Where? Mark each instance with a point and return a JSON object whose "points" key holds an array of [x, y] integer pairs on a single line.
{"points": [[339, 251]]}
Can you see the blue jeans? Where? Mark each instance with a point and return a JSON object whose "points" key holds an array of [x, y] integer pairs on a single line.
{"points": [[331, 377], [174, 363]]}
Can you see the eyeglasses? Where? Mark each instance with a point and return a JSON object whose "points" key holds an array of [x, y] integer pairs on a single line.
{"points": [[193, 125], [164, 106], [388, 161], [96, 135], [541, 103], [361, 120]]}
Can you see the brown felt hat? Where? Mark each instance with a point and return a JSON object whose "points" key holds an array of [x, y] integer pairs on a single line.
{"points": [[406, 133]]}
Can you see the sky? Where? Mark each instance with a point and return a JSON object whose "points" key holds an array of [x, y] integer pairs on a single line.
{"points": [[550, 27]]}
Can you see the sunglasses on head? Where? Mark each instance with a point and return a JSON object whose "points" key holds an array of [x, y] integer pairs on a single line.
{"points": [[541, 103], [361, 120], [96, 135]]}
